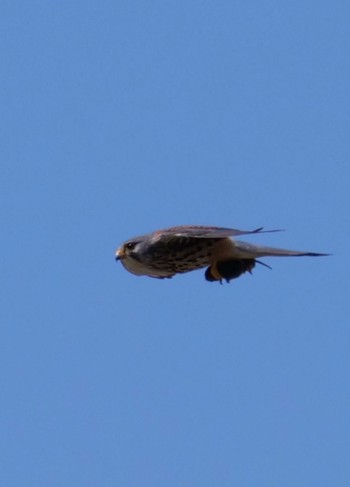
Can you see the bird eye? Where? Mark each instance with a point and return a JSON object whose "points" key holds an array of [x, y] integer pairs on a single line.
{"points": [[130, 245]]}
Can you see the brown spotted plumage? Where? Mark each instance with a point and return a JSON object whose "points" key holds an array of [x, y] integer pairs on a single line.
{"points": [[177, 250]]}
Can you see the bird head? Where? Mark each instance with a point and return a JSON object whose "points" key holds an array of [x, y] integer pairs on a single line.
{"points": [[128, 250]]}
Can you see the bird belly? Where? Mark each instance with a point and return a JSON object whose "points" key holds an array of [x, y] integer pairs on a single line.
{"points": [[225, 249], [141, 269]]}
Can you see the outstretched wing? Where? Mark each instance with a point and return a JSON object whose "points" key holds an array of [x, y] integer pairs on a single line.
{"points": [[200, 231]]}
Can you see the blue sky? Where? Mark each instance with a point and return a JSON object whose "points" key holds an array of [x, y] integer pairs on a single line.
{"points": [[122, 117]]}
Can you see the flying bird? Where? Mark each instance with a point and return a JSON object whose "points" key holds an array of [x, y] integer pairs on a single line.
{"points": [[177, 250]]}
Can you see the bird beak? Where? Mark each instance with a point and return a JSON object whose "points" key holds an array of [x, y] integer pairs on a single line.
{"points": [[119, 254]]}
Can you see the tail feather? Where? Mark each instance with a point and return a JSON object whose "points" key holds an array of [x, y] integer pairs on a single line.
{"points": [[248, 250]]}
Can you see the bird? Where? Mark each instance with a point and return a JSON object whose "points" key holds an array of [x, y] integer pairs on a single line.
{"points": [[185, 248]]}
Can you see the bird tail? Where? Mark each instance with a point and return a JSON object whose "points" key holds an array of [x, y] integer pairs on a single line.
{"points": [[247, 250]]}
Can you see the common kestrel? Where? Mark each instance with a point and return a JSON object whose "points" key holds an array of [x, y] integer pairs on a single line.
{"points": [[186, 248]]}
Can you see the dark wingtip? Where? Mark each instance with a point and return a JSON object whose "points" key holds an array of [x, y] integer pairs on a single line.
{"points": [[263, 263], [315, 254], [261, 230]]}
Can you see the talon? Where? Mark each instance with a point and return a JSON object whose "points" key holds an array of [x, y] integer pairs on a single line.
{"points": [[232, 269], [212, 274], [209, 276]]}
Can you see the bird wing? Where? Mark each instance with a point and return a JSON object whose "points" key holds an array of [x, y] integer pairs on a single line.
{"points": [[200, 231]]}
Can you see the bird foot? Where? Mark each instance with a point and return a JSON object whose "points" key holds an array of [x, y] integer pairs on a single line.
{"points": [[230, 269]]}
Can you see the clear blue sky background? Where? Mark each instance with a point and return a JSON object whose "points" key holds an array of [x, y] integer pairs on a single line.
{"points": [[122, 117]]}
